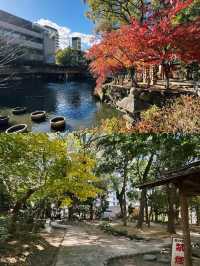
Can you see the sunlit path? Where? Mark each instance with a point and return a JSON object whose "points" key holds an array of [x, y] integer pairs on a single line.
{"points": [[86, 246]]}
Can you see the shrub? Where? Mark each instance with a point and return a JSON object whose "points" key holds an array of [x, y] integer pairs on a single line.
{"points": [[4, 228], [181, 115], [106, 227]]}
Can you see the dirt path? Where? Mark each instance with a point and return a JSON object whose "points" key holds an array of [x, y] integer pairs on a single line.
{"points": [[86, 246]]}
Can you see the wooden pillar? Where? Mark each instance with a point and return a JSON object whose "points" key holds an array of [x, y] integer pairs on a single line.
{"points": [[185, 227], [152, 75], [145, 74]]}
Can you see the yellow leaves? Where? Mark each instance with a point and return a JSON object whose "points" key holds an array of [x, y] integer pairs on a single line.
{"points": [[54, 167], [80, 178], [82, 163], [110, 126], [66, 202]]}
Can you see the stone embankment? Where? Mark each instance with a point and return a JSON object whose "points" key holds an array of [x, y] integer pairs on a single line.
{"points": [[131, 101]]}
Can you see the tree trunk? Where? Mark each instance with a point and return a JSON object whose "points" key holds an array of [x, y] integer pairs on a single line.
{"points": [[171, 209], [124, 211], [149, 218], [166, 69], [156, 216], [91, 211], [141, 211], [185, 226], [70, 213], [133, 77], [15, 212], [121, 196], [143, 193], [146, 210]]}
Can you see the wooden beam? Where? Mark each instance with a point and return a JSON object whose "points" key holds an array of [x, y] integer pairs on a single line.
{"points": [[185, 226]]}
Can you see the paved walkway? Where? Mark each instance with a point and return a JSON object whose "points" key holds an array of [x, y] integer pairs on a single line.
{"points": [[86, 246]]}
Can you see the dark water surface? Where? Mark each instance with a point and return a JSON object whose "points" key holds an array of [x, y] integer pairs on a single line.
{"points": [[73, 100]]}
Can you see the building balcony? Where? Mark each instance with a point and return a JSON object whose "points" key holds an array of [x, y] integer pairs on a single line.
{"points": [[27, 44], [14, 28]]}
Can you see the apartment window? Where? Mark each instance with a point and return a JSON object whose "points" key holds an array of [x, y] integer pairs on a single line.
{"points": [[14, 34]]}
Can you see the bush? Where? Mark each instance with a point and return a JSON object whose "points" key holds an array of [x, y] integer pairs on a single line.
{"points": [[181, 115], [106, 227], [4, 222]]}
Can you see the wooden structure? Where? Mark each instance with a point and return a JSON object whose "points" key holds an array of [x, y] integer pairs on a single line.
{"points": [[187, 180]]}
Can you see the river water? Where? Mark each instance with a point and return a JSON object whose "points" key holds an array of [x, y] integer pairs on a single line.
{"points": [[73, 100]]}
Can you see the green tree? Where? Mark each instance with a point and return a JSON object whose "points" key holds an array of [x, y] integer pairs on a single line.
{"points": [[113, 13], [4, 198], [28, 163], [190, 13], [138, 158], [118, 155], [37, 167], [70, 57], [174, 151]]}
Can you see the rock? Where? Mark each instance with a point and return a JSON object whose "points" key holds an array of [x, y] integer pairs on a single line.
{"points": [[136, 237], [59, 226], [128, 118], [164, 251], [127, 104], [149, 257]]}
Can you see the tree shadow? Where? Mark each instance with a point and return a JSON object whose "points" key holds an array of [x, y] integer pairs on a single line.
{"points": [[31, 249]]}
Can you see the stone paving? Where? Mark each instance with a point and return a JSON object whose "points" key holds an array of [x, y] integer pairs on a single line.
{"points": [[86, 246]]}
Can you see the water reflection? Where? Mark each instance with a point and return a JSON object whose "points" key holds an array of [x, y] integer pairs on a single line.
{"points": [[72, 100]]}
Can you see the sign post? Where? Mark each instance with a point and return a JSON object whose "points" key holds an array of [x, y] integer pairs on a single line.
{"points": [[178, 248]]}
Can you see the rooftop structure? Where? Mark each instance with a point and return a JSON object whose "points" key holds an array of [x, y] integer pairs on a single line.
{"points": [[76, 43], [188, 176], [187, 180]]}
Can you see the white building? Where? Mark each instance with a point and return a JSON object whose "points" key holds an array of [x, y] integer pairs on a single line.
{"points": [[37, 44], [54, 34], [113, 204]]}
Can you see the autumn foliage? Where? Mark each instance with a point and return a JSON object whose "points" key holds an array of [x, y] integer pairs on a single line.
{"points": [[178, 116], [158, 40], [181, 115]]}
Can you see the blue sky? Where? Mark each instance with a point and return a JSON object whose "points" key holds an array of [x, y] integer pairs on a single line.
{"points": [[65, 13], [69, 13]]}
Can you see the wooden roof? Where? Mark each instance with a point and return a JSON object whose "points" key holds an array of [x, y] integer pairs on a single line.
{"points": [[187, 177]]}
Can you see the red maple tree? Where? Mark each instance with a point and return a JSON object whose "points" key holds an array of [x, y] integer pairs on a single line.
{"points": [[158, 40]]}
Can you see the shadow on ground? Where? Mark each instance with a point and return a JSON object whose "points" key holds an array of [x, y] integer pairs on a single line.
{"points": [[31, 249]]}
